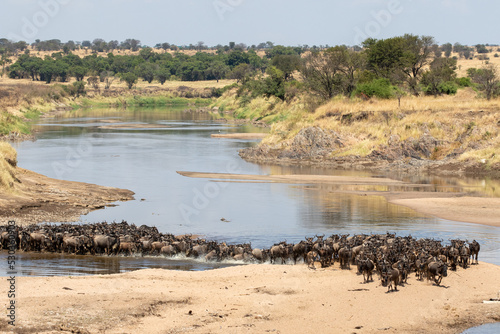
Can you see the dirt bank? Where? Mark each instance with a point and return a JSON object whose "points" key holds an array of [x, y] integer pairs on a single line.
{"points": [[253, 299], [36, 198]]}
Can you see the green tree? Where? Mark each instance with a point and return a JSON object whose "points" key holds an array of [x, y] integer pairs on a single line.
{"points": [[334, 71], [162, 74], [447, 49], [130, 78], [242, 73], [440, 78], [486, 79], [78, 72], [147, 71], [321, 75], [287, 64], [400, 57], [274, 83], [217, 70], [62, 70], [481, 48]]}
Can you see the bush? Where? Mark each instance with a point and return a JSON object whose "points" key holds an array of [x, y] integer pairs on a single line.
{"points": [[381, 88], [464, 82], [76, 89], [449, 88]]}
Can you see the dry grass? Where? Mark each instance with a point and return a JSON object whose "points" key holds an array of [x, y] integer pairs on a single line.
{"points": [[8, 161], [462, 122]]}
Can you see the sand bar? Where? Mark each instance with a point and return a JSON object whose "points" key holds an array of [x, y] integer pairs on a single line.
{"points": [[256, 135], [122, 126], [254, 299], [296, 178], [480, 210]]}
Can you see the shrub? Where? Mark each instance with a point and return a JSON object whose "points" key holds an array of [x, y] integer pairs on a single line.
{"points": [[449, 88], [381, 88], [464, 82]]}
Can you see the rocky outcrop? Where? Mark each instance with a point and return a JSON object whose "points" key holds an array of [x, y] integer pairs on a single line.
{"points": [[309, 143], [317, 146], [421, 148]]}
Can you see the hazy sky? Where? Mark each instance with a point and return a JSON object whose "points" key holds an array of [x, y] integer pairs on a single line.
{"points": [[287, 22]]}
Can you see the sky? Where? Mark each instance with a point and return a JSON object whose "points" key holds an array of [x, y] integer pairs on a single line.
{"points": [[285, 22]]}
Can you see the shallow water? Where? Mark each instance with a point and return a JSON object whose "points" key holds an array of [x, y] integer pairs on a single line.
{"points": [[77, 147], [484, 329], [37, 264]]}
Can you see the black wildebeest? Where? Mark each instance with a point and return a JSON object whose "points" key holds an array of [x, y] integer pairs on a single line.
{"points": [[437, 268]]}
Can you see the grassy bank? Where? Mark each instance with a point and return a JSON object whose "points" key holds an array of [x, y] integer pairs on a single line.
{"points": [[464, 126], [8, 162]]}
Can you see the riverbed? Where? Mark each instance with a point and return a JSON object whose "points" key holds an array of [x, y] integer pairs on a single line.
{"points": [[144, 148]]}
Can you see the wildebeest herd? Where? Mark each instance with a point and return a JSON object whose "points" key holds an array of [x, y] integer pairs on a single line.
{"points": [[392, 257]]}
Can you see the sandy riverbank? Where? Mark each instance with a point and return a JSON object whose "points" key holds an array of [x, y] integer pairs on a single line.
{"points": [[37, 198], [479, 210], [254, 299]]}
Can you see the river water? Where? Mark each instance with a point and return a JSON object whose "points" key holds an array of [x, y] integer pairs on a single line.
{"points": [[141, 150]]}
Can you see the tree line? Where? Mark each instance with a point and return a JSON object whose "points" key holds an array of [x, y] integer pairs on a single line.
{"points": [[385, 68]]}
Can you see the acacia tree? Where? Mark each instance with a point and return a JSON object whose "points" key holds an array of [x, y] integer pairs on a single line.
{"points": [[130, 78], [487, 80], [217, 70], [439, 79], [287, 64], [407, 54], [333, 71], [321, 75], [447, 48]]}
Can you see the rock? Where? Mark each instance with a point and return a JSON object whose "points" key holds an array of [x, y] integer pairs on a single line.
{"points": [[309, 143], [312, 142]]}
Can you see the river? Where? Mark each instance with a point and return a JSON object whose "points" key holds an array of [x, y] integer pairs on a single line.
{"points": [[142, 150]]}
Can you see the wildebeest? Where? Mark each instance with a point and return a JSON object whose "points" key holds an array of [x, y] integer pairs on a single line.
{"points": [[419, 269], [345, 257], [464, 256], [301, 249], [280, 251], [437, 268], [168, 250], [310, 258], [366, 267], [106, 243], [389, 278], [259, 254], [71, 244], [474, 250], [127, 247]]}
